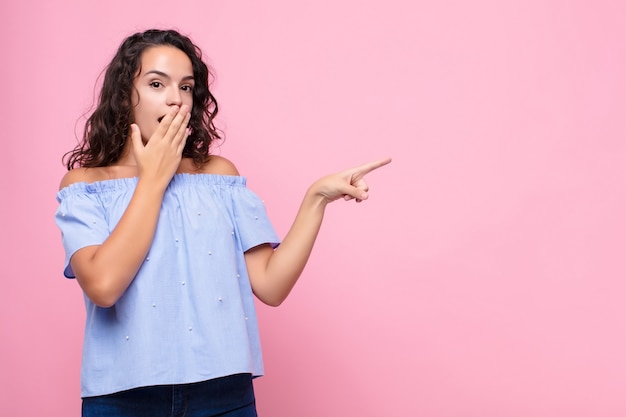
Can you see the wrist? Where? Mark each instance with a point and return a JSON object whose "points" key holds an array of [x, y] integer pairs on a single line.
{"points": [[151, 187], [314, 198]]}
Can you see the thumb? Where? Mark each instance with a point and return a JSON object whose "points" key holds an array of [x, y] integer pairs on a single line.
{"points": [[135, 137]]}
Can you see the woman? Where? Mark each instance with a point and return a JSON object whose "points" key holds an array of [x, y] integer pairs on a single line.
{"points": [[169, 246]]}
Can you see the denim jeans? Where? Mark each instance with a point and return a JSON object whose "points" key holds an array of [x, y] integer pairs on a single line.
{"points": [[231, 396]]}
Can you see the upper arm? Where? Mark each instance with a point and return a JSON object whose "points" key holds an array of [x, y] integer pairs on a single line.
{"points": [[257, 259], [81, 221], [80, 262]]}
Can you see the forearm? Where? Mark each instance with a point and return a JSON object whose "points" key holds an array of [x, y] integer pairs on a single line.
{"points": [[274, 273], [286, 263], [105, 271]]}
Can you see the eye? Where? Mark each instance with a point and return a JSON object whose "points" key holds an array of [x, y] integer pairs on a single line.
{"points": [[155, 84], [187, 88]]}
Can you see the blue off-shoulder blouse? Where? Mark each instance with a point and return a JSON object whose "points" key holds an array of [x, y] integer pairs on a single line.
{"points": [[188, 315]]}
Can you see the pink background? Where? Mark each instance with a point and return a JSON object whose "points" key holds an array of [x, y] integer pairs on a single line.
{"points": [[484, 277]]}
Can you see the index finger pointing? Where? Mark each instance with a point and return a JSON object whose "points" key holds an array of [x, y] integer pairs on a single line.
{"points": [[370, 166]]}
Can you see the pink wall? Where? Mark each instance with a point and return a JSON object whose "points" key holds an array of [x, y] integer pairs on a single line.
{"points": [[485, 277]]}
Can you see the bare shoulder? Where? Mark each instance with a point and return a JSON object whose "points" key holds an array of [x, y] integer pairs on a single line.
{"points": [[220, 166], [87, 175]]}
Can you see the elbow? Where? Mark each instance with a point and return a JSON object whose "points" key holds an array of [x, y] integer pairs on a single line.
{"points": [[102, 302], [272, 295], [273, 303], [101, 282], [101, 293], [270, 299], [102, 298]]}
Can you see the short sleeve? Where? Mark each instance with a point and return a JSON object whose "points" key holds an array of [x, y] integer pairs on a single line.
{"points": [[251, 220], [82, 221]]}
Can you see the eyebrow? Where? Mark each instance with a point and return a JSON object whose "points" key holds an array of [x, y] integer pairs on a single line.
{"points": [[164, 75]]}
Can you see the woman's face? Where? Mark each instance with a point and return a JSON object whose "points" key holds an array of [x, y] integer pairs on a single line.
{"points": [[165, 80]]}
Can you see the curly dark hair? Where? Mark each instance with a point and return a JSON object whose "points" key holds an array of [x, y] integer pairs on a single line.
{"points": [[108, 128]]}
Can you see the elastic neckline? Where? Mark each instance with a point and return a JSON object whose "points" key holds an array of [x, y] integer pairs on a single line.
{"points": [[180, 179]]}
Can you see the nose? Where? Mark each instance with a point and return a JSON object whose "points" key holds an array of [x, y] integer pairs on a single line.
{"points": [[174, 97]]}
